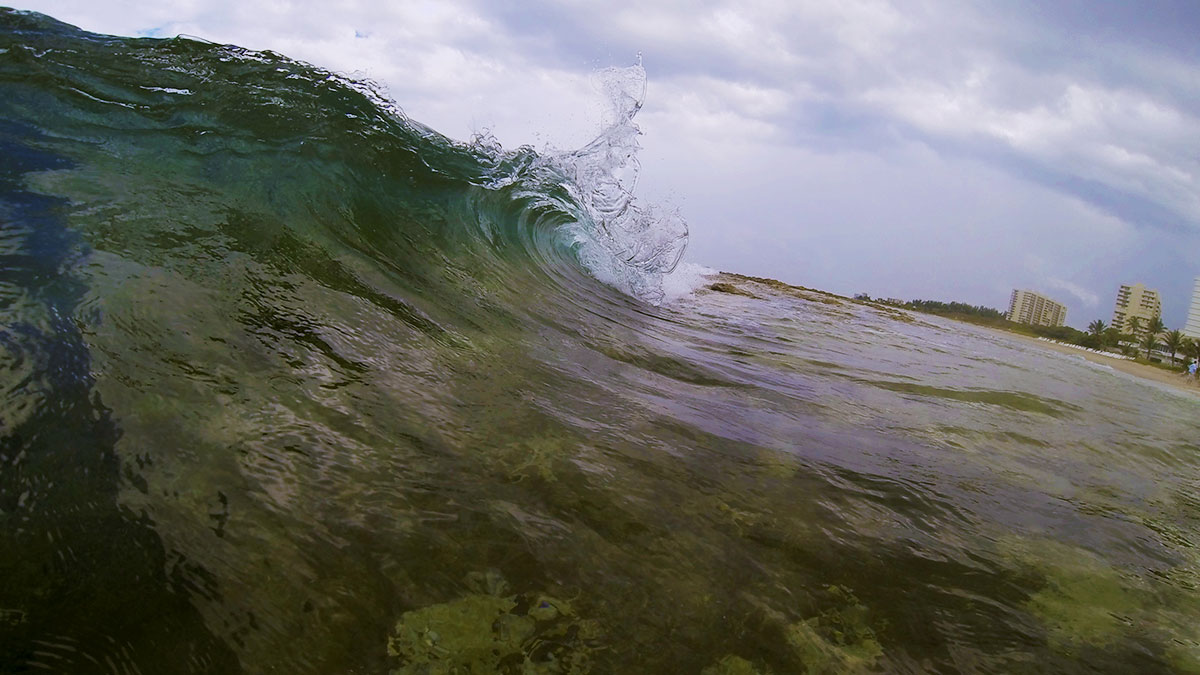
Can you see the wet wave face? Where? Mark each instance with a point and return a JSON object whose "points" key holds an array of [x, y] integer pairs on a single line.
{"points": [[292, 383]]}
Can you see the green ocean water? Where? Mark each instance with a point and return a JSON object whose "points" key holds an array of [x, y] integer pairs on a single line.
{"points": [[291, 383]]}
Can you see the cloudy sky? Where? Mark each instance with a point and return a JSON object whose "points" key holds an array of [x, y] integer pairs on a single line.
{"points": [[936, 149]]}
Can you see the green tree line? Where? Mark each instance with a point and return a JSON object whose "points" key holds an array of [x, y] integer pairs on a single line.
{"points": [[938, 307], [1099, 335]]}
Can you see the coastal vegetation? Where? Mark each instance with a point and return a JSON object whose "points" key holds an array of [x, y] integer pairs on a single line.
{"points": [[1134, 324], [1174, 341], [946, 308], [1191, 350], [994, 318], [1135, 342], [1157, 326], [1149, 342]]}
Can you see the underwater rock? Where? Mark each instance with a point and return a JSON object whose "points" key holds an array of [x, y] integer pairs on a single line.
{"points": [[1082, 599], [839, 639], [731, 665], [491, 633]]}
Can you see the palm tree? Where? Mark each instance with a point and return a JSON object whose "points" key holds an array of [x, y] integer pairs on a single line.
{"points": [[1150, 341], [1174, 342], [1112, 336], [1156, 326], [1096, 332], [1133, 326]]}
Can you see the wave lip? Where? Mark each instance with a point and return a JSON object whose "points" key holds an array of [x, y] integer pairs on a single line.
{"points": [[623, 243]]}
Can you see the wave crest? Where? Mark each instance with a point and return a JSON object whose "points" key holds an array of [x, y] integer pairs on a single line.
{"points": [[620, 241], [623, 243]]}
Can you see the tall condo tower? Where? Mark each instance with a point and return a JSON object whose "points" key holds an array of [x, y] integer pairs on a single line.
{"points": [[1192, 328], [1139, 301], [1036, 309]]}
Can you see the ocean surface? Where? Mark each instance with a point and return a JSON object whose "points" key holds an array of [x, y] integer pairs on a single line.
{"points": [[291, 383]]}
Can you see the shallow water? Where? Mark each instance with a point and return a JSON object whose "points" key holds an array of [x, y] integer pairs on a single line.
{"points": [[293, 384]]}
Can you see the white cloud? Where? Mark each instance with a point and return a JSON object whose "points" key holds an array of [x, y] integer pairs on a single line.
{"points": [[1122, 139], [1083, 295]]}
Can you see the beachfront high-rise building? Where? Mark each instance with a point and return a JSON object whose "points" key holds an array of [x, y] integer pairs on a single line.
{"points": [[1139, 301], [1192, 328], [1036, 309]]}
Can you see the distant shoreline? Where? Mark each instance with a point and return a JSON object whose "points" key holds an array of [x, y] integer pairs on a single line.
{"points": [[1177, 380]]}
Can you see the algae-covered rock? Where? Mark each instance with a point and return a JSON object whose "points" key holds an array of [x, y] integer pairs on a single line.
{"points": [[537, 457], [458, 634], [1082, 599], [486, 633], [722, 287], [1086, 603], [1083, 609], [838, 640], [488, 582], [731, 665]]}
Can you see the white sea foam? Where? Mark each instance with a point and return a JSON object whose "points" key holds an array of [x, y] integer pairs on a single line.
{"points": [[684, 280]]}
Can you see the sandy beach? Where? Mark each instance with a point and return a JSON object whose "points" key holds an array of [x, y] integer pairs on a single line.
{"points": [[1142, 370]]}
